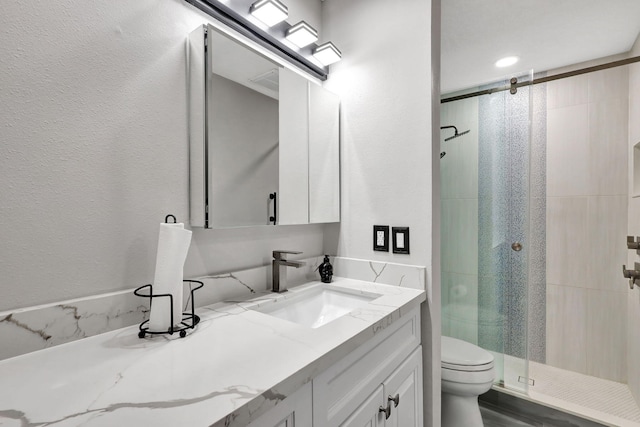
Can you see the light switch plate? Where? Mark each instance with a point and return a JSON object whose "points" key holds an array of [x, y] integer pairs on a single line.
{"points": [[381, 238], [400, 236]]}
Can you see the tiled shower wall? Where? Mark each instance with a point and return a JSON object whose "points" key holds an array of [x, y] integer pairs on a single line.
{"points": [[586, 209], [633, 296]]}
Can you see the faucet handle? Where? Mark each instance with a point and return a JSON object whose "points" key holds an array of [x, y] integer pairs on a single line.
{"points": [[282, 254]]}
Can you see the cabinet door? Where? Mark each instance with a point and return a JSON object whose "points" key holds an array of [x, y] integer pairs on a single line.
{"points": [[293, 149], [324, 155], [294, 411], [405, 385], [368, 413], [290, 421]]}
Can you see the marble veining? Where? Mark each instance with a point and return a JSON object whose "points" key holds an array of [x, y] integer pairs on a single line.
{"points": [[403, 275], [36, 328], [115, 378], [375, 272], [10, 319]]}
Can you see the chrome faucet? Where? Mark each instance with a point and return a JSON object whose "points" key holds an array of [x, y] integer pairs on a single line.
{"points": [[279, 268]]}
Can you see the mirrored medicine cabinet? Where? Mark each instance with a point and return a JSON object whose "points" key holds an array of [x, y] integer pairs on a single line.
{"points": [[264, 140]]}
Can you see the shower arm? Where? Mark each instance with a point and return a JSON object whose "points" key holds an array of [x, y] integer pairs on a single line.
{"points": [[450, 127]]}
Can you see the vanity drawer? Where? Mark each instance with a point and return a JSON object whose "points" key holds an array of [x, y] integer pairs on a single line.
{"points": [[338, 391]]}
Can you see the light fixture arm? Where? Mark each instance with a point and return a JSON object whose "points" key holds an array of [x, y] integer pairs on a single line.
{"points": [[270, 39]]}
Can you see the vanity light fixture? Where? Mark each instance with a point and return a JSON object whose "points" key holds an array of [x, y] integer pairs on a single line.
{"points": [[302, 34], [507, 61], [294, 44], [327, 53], [269, 11]]}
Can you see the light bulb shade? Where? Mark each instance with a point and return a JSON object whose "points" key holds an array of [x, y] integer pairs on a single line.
{"points": [[269, 11], [302, 34], [327, 53]]}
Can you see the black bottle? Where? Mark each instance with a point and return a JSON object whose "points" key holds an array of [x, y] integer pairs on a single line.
{"points": [[326, 270]]}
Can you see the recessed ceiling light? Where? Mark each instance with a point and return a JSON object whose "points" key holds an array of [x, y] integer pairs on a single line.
{"points": [[507, 61]]}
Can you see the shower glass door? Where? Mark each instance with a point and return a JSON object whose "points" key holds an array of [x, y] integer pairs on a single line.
{"points": [[485, 225]]}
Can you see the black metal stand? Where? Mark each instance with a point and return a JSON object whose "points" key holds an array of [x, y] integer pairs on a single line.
{"points": [[189, 320]]}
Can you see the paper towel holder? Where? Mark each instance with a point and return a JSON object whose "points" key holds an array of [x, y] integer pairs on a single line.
{"points": [[189, 319]]}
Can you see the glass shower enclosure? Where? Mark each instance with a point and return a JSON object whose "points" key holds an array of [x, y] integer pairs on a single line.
{"points": [[488, 237]]}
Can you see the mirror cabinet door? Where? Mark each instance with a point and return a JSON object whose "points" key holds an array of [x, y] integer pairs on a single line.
{"points": [[324, 155], [257, 128], [293, 198]]}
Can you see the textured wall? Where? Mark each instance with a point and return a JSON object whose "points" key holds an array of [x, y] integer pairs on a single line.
{"points": [[94, 137], [384, 82]]}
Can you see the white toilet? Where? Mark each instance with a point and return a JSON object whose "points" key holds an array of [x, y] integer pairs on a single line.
{"points": [[467, 372]]}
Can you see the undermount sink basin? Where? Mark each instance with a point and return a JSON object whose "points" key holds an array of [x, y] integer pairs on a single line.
{"points": [[317, 306]]}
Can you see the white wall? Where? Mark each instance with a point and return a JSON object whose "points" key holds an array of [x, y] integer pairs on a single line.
{"points": [[633, 296], [384, 82], [94, 137]]}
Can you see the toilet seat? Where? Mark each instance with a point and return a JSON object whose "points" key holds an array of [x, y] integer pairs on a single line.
{"points": [[458, 355]]}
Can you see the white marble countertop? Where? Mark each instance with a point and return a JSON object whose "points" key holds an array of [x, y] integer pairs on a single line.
{"points": [[235, 366]]}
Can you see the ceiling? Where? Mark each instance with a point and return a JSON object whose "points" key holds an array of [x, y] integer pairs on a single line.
{"points": [[545, 34]]}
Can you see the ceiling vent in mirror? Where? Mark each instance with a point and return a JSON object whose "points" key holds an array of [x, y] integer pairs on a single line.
{"points": [[269, 80]]}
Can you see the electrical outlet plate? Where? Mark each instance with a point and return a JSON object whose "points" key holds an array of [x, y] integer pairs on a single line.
{"points": [[381, 238], [400, 236]]}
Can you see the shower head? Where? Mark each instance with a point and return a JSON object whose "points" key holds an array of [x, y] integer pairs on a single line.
{"points": [[456, 134]]}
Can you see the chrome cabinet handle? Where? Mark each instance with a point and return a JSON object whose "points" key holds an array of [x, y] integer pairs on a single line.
{"points": [[387, 411], [395, 400]]}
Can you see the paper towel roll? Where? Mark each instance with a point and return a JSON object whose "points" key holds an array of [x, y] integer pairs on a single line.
{"points": [[173, 245]]}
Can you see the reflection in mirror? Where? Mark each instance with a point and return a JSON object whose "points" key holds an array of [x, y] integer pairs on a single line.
{"points": [[243, 125]]}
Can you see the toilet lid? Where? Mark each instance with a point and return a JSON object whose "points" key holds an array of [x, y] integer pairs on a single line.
{"points": [[463, 356]]}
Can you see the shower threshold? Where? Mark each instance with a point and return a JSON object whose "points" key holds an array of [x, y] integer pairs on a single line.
{"points": [[602, 401]]}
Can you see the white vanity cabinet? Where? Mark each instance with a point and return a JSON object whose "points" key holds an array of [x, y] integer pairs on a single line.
{"points": [[403, 386], [368, 413], [294, 411], [353, 391], [362, 388]]}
